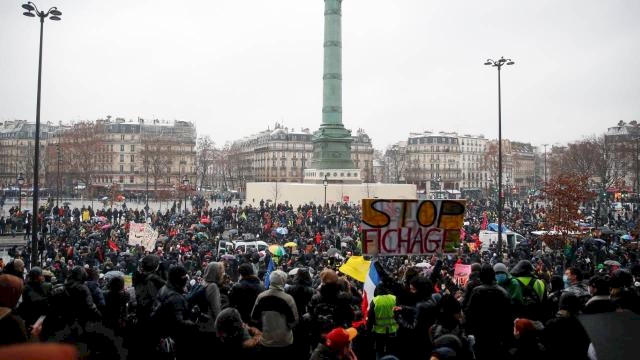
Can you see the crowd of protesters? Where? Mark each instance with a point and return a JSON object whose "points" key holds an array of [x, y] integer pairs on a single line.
{"points": [[190, 297]]}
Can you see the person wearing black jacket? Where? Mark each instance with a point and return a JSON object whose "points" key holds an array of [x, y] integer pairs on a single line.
{"points": [[490, 317], [170, 315], [242, 295], [416, 321]]}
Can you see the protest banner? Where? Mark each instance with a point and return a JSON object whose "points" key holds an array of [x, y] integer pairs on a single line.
{"points": [[411, 227], [142, 234], [149, 238], [461, 274], [136, 233]]}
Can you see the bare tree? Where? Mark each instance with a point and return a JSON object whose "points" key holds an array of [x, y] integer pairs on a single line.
{"points": [[604, 163], [396, 163], [223, 165], [80, 145], [490, 160], [157, 156], [205, 152]]}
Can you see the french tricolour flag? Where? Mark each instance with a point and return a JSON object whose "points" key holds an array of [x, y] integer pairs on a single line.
{"points": [[370, 283]]}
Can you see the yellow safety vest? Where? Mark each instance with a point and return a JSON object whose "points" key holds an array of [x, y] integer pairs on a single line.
{"points": [[385, 323]]}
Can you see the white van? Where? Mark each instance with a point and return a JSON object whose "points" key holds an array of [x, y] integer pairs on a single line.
{"points": [[510, 239], [244, 246], [226, 247]]}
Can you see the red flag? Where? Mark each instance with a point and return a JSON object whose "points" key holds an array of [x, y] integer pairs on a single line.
{"points": [[112, 245], [485, 222]]}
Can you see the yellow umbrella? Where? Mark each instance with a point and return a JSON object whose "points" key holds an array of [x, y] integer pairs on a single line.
{"points": [[290, 244], [356, 267]]}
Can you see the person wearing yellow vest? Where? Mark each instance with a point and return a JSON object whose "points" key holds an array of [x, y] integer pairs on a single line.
{"points": [[381, 323]]}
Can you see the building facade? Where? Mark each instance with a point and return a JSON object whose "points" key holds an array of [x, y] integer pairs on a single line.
{"points": [[282, 154], [622, 150], [458, 164], [124, 156], [17, 147], [446, 161]]}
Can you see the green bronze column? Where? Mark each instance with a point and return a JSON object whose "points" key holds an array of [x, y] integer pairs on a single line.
{"points": [[332, 142], [332, 76]]}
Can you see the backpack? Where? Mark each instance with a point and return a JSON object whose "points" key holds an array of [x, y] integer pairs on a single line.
{"points": [[324, 317], [529, 295], [59, 298], [146, 294], [159, 314]]}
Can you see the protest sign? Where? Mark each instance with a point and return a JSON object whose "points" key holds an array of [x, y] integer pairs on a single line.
{"points": [[461, 274], [411, 227], [136, 233], [149, 238], [142, 234]]}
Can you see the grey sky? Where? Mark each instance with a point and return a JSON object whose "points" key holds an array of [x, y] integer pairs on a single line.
{"points": [[235, 67]]}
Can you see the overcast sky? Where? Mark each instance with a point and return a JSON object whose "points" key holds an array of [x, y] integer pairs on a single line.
{"points": [[236, 67]]}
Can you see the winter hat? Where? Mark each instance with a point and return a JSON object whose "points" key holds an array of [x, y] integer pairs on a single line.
{"points": [[33, 351], [443, 353], [277, 279], [569, 302], [339, 338], [521, 325], [500, 268], [475, 267], [35, 272], [150, 263], [328, 276], [246, 270], [10, 290]]}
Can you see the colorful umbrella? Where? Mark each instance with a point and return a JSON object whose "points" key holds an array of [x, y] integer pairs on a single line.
{"points": [[204, 235], [276, 250], [290, 244], [626, 237]]}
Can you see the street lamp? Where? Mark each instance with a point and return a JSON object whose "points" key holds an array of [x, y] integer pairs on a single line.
{"points": [[146, 190], [185, 183], [20, 183], [325, 182], [53, 14], [498, 64], [545, 164]]}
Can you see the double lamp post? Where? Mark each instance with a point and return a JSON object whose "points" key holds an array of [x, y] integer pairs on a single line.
{"points": [[53, 14], [498, 64]]}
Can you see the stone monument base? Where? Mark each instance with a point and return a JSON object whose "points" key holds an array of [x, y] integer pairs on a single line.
{"points": [[298, 194], [333, 176]]}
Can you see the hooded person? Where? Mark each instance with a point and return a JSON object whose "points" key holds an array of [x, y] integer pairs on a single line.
{"points": [[147, 284], [170, 315], [13, 327], [70, 306], [234, 336], [276, 313], [207, 297], [15, 267], [566, 323]]}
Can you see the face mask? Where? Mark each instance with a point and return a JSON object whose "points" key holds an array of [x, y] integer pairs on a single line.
{"points": [[501, 278], [565, 278]]}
